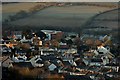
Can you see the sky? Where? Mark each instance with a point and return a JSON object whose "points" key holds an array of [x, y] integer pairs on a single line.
{"points": [[60, 0]]}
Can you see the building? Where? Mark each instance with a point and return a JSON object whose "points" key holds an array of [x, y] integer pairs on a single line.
{"points": [[16, 34], [52, 34]]}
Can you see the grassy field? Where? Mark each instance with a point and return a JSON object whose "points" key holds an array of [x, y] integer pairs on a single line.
{"points": [[13, 8], [16, 7], [105, 23], [108, 19], [67, 16]]}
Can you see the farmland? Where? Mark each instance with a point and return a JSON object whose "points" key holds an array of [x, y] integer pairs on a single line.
{"points": [[16, 7], [13, 8], [55, 17], [107, 19], [104, 23]]}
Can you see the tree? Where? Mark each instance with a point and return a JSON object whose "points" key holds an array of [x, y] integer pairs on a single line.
{"points": [[41, 34], [69, 42], [98, 42], [27, 33], [55, 43]]}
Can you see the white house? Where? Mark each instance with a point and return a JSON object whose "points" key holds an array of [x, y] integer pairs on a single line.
{"points": [[37, 61], [105, 52], [49, 33], [19, 58], [115, 67], [24, 40]]}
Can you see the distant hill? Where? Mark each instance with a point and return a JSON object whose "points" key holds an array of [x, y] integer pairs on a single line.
{"points": [[106, 23], [69, 17], [108, 19]]}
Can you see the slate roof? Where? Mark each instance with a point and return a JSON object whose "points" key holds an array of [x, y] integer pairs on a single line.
{"points": [[48, 57], [22, 64], [66, 63], [75, 77], [112, 64], [96, 60]]}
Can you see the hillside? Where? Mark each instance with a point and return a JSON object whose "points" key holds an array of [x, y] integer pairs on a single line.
{"points": [[69, 17], [104, 23], [107, 19], [13, 8]]}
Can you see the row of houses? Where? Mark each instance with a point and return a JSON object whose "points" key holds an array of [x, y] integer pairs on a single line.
{"points": [[92, 63]]}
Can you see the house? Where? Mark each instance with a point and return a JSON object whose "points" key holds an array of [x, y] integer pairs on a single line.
{"points": [[79, 61], [63, 47], [72, 34], [22, 64], [94, 68], [68, 55], [96, 62], [105, 70], [82, 67], [48, 33], [16, 34], [114, 66], [69, 63], [66, 63], [103, 51], [86, 61], [58, 36], [76, 55], [5, 40], [118, 60], [113, 75], [24, 40], [20, 52], [72, 51], [57, 62], [5, 49], [79, 73], [37, 61], [99, 77], [68, 58], [52, 67], [48, 57], [20, 58], [105, 60], [92, 76], [48, 51], [88, 54], [96, 53], [65, 70], [61, 70], [51, 34], [76, 77], [82, 48], [102, 56], [36, 41]]}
